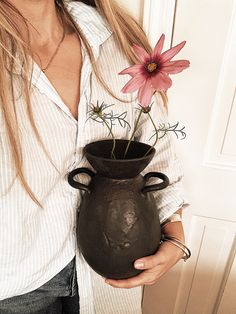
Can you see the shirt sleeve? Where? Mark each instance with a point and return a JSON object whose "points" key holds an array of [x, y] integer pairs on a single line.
{"points": [[165, 160]]}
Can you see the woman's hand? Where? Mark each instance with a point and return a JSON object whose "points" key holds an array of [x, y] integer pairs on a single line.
{"points": [[154, 267]]}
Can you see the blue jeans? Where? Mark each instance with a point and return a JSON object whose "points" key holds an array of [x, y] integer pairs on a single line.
{"points": [[57, 296]]}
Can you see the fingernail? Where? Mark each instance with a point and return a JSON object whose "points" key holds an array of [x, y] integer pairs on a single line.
{"points": [[139, 265]]}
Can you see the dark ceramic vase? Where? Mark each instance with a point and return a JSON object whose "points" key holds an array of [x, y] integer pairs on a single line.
{"points": [[118, 219]]}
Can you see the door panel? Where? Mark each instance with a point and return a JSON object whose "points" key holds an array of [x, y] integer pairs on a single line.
{"points": [[206, 275]]}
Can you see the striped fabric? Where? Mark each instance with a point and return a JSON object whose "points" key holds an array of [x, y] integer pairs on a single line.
{"points": [[35, 244]]}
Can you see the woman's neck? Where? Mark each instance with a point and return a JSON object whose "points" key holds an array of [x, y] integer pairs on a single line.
{"points": [[42, 19]]}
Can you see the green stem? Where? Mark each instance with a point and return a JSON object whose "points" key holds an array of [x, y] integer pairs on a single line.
{"points": [[156, 135], [133, 133], [113, 137]]}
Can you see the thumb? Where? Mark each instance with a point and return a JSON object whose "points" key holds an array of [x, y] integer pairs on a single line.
{"points": [[148, 262]]}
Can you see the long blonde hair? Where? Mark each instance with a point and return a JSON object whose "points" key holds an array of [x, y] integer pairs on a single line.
{"points": [[14, 51]]}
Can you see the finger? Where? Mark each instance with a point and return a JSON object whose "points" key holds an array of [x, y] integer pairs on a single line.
{"points": [[149, 262], [139, 280]]}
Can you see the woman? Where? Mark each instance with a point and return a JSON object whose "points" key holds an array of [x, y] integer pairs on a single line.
{"points": [[48, 50]]}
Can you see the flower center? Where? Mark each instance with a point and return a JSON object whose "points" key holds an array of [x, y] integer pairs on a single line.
{"points": [[97, 109], [146, 109], [152, 66]]}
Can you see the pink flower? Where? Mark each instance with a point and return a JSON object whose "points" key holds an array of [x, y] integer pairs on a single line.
{"points": [[152, 73]]}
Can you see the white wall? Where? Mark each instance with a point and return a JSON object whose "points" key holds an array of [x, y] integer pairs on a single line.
{"points": [[135, 7]]}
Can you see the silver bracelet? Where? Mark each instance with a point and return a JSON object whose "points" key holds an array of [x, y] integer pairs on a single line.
{"points": [[179, 244]]}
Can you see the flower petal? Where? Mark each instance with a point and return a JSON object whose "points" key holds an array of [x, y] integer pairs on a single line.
{"points": [[141, 53], [170, 53], [133, 70], [145, 94], [173, 67], [159, 46], [134, 83], [161, 82]]}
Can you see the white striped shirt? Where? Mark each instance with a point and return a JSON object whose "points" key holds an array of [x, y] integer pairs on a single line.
{"points": [[35, 243]]}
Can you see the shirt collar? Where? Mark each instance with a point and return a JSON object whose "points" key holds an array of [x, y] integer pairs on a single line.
{"points": [[90, 22]]}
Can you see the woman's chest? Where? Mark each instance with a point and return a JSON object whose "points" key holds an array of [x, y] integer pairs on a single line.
{"points": [[64, 72]]}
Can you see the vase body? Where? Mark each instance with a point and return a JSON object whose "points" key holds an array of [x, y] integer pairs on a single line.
{"points": [[118, 220]]}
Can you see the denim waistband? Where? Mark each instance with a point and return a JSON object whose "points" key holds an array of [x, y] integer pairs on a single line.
{"points": [[64, 284]]}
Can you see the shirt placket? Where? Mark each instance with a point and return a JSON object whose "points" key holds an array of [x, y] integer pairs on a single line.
{"points": [[40, 80], [84, 101]]}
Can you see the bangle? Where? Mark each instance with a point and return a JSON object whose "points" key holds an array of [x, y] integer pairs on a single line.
{"points": [[179, 244], [173, 218]]}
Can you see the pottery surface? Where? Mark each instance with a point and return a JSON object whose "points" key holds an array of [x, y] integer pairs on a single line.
{"points": [[118, 219]]}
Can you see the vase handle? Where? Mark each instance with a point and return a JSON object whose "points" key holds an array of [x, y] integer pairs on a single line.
{"points": [[155, 187], [76, 184]]}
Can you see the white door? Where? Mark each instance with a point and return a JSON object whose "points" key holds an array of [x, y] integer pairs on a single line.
{"points": [[203, 98]]}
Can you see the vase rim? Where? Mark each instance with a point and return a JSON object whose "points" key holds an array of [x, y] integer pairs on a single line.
{"points": [[152, 152]]}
